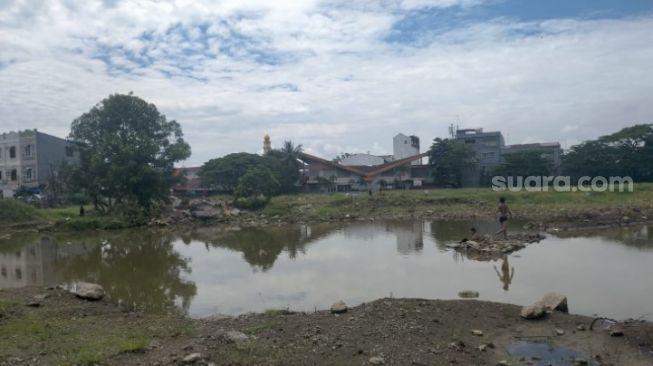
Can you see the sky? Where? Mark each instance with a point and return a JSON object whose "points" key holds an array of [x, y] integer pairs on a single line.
{"points": [[335, 76]]}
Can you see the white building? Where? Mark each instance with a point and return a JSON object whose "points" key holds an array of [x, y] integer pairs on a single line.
{"points": [[406, 146]]}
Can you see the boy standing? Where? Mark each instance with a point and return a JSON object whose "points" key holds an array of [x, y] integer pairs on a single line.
{"points": [[503, 212]]}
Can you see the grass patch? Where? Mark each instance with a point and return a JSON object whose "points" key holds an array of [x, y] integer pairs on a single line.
{"points": [[466, 200], [16, 212], [68, 339]]}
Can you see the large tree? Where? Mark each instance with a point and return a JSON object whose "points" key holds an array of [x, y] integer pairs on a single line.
{"points": [[448, 158], [288, 157], [524, 164], [628, 152], [224, 173], [128, 150]]}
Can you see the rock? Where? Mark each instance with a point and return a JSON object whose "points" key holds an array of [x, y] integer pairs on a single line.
{"points": [[33, 303], [580, 327], [376, 360], [88, 291], [535, 311], [482, 347], [502, 363], [616, 332], [468, 294], [232, 336], [206, 213], [559, 332], [580, 361], [478, 333], [192, 358], [554, 301], [339, 307], [41, 297]]}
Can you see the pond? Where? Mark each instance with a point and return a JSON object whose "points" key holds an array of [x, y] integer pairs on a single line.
{"points": [[306, 267]]}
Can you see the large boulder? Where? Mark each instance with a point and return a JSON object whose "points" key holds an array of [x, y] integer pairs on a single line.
{"points": [[88, 291], [206, 213], [535, 311], [554, 301]]}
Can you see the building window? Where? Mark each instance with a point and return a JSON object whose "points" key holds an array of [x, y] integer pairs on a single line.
{"points": [[28, 175], [19, 274], [0, 174], [12, 152], [69, 151], [28, 150], [14, 175]]}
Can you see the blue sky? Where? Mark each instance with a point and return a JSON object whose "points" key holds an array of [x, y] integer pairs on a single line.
{"points": [[336, 76]]}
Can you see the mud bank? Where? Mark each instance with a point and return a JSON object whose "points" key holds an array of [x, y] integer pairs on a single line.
{"points": [[63, 329]]}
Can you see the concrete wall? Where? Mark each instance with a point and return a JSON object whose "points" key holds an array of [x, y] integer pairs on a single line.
{"points": [[53, 150]]}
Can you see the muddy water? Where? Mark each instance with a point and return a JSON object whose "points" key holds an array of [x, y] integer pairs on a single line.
{"points": [[309, 267]]}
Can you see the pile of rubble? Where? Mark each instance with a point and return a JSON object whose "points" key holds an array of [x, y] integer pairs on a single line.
{"points": [[197, 210], [490, 247]]}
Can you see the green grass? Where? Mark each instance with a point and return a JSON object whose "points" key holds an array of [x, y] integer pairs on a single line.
{"points": [[433, 201], [16, 212], [70, 339]]}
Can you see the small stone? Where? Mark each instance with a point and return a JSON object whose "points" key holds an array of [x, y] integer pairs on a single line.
{"points": [[580, 361], [478, 333], [232, 336], [580, 327], [502, 363], [192, 358], [376, 360], [33, 304], [339, 307], [482, 347], [560, 332], [41, 297]]}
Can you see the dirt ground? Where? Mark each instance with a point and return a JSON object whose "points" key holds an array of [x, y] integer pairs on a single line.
{"points": [[385, 331]]}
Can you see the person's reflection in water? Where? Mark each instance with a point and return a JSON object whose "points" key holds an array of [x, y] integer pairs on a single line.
{"points": [[506, 274]]}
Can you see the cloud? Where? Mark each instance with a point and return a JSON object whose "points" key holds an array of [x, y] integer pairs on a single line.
{"points": [[327, 75]]}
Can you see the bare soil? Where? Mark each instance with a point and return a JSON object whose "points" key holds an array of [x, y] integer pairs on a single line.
{"points": [[385, 331]]}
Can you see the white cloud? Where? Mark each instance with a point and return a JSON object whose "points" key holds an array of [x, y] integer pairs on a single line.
{"points": [[349, 91]]}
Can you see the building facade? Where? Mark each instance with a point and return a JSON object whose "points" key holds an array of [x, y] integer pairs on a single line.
{"points": [[362, 172], [26, 158], [490, 150]]}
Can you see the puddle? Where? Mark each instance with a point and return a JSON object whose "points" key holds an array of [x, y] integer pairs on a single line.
{"points": [[544, 354]]}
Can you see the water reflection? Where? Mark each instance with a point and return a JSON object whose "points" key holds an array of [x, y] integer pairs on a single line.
{"points": [[235, 270], [507, 273]]}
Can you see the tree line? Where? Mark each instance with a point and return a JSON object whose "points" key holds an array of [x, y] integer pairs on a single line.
{"points": [[628, 152]]}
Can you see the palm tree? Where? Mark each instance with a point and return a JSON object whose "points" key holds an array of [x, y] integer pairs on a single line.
{"points": [[291, 152]]}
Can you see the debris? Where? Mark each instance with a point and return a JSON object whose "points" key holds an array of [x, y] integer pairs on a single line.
{"points": [[559, 332], [192, 358], [478, 333], [377, 360]]}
